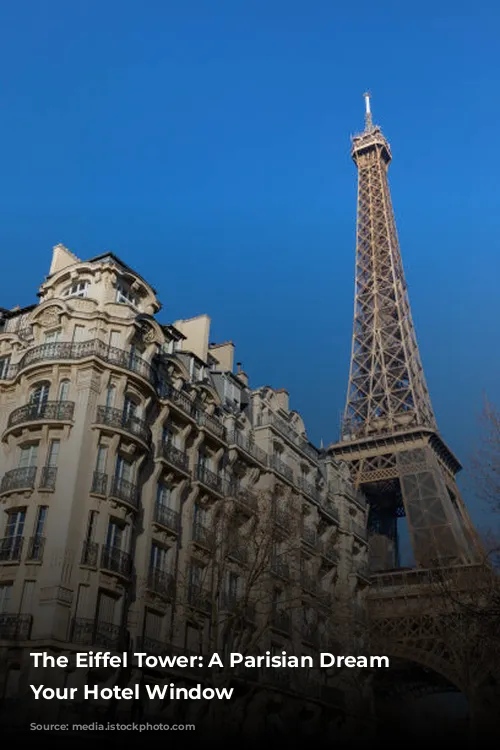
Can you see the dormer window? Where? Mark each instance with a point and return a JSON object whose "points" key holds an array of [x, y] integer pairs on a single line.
{"points": [[77, 289], [125, 295]]}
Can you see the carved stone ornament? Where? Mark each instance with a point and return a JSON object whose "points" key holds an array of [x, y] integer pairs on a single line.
{"points": [[50, 318], [149, 336]]}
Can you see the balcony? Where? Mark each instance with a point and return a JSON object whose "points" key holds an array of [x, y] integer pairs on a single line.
{"points": [[280, 517], [18, 480], [62, 351], [279, 567], [118, 420], [237, 605], [210, 479], [363, 571], [281, 620], [11, 548], [167, 518], [90, 632], [48, 478], [180, 399], [49, 411], [116, 561], [237, 550], [199, 598], [246, 499], [359, 531], [99, 483], [15, 627], [203, 535], [162, 583], [328, 508], [246, 443], [173, 456], [329, 552], [308, 582], [90, 554], [211, 424], [125, 492], [308, 489], [281, 467], [309, 536], [285, 430], [35, 549]]}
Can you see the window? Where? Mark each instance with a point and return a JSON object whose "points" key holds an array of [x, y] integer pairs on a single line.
{"points": [[5, 596], [15, 523], [125, 295], [124, 469], [159, 558], [115, 338], [200, 516], [164, 496], [130, 410], [37, 541], [63, 390], [4, 367], [52, 337], [91, 524], [233, 585], [39, 397], [102, 455], [115, 536], [53, 453], [78, 334], [28, 456], [110, 396], [77, 289]]}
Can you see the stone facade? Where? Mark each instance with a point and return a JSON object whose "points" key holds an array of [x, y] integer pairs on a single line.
{"points": [[146, 488]]}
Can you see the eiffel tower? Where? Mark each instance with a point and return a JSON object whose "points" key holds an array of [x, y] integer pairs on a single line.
{"points": [[389, 435]]}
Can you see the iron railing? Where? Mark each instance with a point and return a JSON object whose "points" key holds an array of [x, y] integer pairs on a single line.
{"points": [[161, 582], [166, 517], [36, 546], [174, 456], [120, 420], [48, 411], [99, 483], [11, 548], [90, 554], [92, 632], [247, 444], [19, 479], [210, 479], [117, 561], [203, 535], [48, 478], [127, 492], [15, 627], [211, 423]]}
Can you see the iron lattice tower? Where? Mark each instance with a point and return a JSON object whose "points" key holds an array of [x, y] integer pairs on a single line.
{"points": [[389, 433]]}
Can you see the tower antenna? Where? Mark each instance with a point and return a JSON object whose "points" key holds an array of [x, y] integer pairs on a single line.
{"points": [[368, 112]]}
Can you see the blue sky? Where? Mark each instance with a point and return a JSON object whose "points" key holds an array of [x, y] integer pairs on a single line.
{"points": [[207, 144]]}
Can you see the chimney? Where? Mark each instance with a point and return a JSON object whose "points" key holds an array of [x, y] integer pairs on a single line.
{"points": [[224, 354], [282, 395], [240, 374], [62, 258]]}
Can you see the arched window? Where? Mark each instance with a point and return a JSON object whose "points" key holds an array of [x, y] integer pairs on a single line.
{"points": [[39, 396], [63, 390]]}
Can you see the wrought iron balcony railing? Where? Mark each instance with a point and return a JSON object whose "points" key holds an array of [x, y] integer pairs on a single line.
{"points": [[309, 536], [308, 488], [273, 420], [203, 535], [279, 567], [92, 632], [166, 517], [243, 496], [247, 444], [117, 561], [175, 456], [19, 479], [281, 517], [35, 549], [328, 507], [127, 492], [308, 582], [236, 604], [329, 551], [359, 531], [161, 582], [211, 423], [49, 411], [99, 483], [237, 549], [15, 627], [90, 554], [210, 479], [70, 351], [281, 467], [48, 478], [11, 548], [179, 398], [120, 420], [199, 598]]}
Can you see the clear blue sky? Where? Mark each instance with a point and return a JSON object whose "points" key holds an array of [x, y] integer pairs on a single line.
{"points": [[207, 144]]}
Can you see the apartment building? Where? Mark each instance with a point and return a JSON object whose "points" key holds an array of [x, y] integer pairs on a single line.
{"points": [[152, 499]]}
